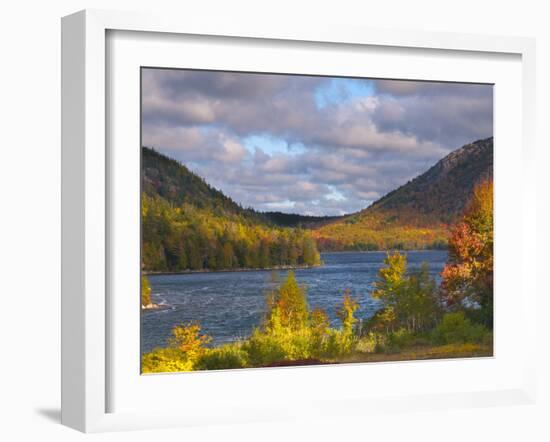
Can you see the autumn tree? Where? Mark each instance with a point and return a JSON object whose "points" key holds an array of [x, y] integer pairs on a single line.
{"points": [[468, 276], [311, 255], [145, 291], [419, 306], [319, 322], [188, 339], [193, 238], [410, 301], [227, 256], [391, 278], [346, 313], [186, 346], [287, 304], [387, 288]]}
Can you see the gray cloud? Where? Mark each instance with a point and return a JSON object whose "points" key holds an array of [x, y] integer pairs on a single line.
{"points": [[339, 157], [401, 88]]}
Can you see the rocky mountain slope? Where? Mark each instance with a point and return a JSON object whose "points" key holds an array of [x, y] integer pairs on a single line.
{"points": [[417, 214], [442, 192]]}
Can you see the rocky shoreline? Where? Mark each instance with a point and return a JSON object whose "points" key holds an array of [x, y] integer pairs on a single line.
{"points": [[155, 307]]}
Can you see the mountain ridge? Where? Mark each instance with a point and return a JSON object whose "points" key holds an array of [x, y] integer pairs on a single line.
{"points": [[176, 183], [416, 214], [446, 186], [419, 213]]}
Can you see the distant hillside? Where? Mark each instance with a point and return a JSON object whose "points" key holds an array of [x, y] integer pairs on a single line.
{"points": [[175, 183], [295, 220], [418, 213], [184, 214], [187, 225], [442, 192]]}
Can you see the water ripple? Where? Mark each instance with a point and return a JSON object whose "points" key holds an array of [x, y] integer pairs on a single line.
{"points": [[229, 304]]}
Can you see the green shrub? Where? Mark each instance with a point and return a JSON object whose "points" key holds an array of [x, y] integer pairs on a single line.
{"points": [[392, 342], [367, 343], [488, 339], [479, 315], [287, 345], [185, 347], [266, 348], [397, 340], [162, 360], [224, 357], [337, 344], [456, 328], [291, 331]]}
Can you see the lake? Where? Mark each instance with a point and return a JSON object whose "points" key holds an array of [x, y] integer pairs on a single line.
{"points": [[228, 305]]}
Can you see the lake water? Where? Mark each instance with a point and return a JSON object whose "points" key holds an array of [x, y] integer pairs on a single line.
{"points": [[229, 305]]}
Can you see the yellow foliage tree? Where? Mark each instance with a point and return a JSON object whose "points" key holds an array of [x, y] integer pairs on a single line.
{"points": [[187, 339], [145, 291], [287, 305]]}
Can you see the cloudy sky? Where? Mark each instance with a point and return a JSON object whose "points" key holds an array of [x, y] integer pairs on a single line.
{"points": [[309, 145]]}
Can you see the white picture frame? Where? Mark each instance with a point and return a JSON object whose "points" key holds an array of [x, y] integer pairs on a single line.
{"points": [[87, 205]]}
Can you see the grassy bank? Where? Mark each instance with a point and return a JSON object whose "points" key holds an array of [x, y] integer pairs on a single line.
{"points": [[415, 353], [449, 351], [302, 348]]}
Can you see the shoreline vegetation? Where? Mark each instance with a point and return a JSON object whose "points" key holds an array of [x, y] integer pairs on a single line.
{"points": [[287, 267], [418, 319], [187, 238], [257, 269], [189, 225]]}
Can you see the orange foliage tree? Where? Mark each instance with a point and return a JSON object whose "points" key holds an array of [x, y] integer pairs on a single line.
{"points": [[467, 279], [187, 338]]}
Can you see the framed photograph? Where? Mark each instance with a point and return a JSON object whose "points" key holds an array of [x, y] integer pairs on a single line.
{"points": [[267, 222]]}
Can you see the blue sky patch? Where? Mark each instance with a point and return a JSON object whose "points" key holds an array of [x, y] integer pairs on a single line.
{"points": [[341, 90]]}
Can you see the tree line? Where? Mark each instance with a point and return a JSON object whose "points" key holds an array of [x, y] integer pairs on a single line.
{"points": [[185, 237], [382, 230]]}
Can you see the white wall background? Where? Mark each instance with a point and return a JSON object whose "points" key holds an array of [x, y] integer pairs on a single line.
{"points": [[30, 216]]}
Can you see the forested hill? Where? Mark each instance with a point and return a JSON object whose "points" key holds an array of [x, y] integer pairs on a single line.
{"points": [[442, 192], [436, 196], [417, 214], [295, 220], [176, 184], [189, 225]]}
